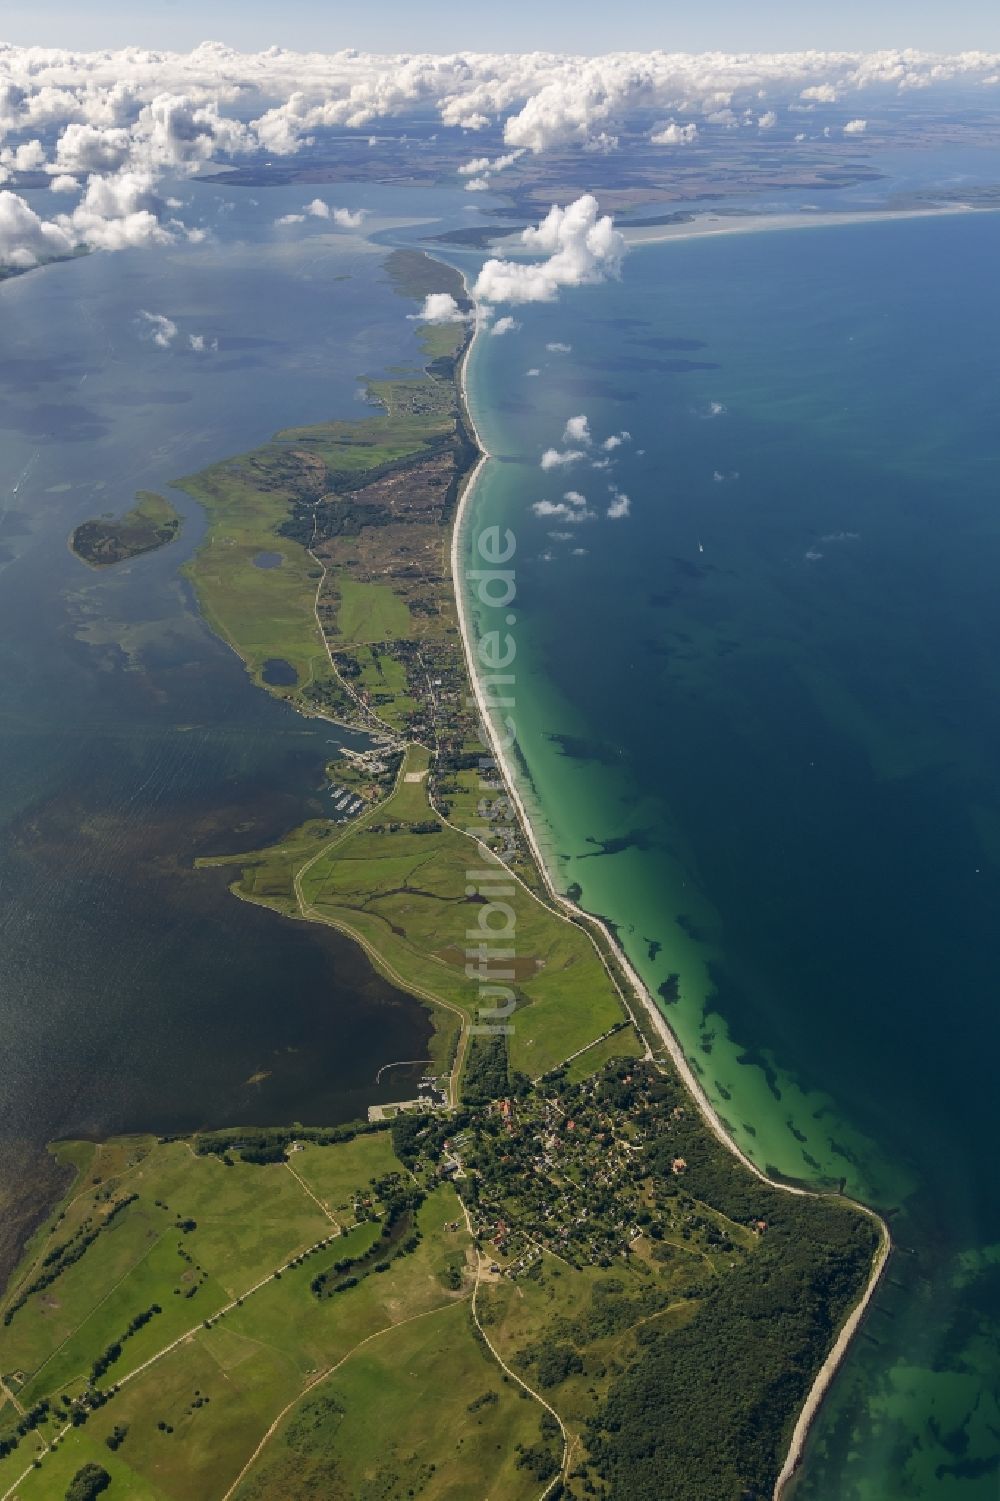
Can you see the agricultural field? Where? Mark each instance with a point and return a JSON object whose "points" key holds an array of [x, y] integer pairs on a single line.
{"points": [[538, 1287], [622, 1044], [226, 1253], [373, 1431]]}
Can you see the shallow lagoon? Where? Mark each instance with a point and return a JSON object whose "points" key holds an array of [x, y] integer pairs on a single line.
{"points": [[134, 991]]}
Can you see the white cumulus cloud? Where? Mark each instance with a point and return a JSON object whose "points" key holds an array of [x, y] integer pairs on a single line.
{"points": [[88, 148], [139, 112], [27, 157], [673, 134], [553, 458], [573, 508], [577, 430], [581, 247], [344, 218], [480, 167], [439, 307], [159, 328], [26, 238], [120, 212]]}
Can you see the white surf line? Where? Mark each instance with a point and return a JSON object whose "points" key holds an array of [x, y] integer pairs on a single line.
{"points": [[827, 1371], [832, 1363], [705, 226]]}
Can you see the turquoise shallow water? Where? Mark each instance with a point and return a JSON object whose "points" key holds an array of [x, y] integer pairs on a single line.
{"points": [[759, 730]]}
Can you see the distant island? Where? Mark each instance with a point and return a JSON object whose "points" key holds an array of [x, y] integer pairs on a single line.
{"points": [[105, 540], [8, 272]]}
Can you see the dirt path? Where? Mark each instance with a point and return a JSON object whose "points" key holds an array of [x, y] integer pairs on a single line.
{"points": [[372, 723], [8, 1396], [323, 1376], [180, 1340], [318, 1202], [568, 1444]]}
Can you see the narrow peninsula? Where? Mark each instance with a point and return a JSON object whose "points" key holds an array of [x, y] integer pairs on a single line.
{"points": [[551, 1276]]}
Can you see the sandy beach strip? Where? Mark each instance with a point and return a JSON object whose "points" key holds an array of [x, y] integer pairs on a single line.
{"points": [[661, 1027], [709, 226]]}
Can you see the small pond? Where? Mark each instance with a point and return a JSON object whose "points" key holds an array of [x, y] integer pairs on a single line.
{"points": [[278, 673]]}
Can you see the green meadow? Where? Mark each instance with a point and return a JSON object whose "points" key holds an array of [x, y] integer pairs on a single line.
{"points": [[398, 881], [253, 1316], [370, 1429], [263, 502], [263, 614], [197, 1388]]}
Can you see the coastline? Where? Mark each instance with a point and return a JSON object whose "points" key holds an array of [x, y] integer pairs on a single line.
{"points": [[574, 913], [715, 225], [711, 226]]}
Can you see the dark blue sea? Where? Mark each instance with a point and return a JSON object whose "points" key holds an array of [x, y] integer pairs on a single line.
{"points": [[759, 716]]}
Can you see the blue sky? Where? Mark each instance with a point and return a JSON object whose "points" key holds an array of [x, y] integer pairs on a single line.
{"points": [[515, 26]]}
